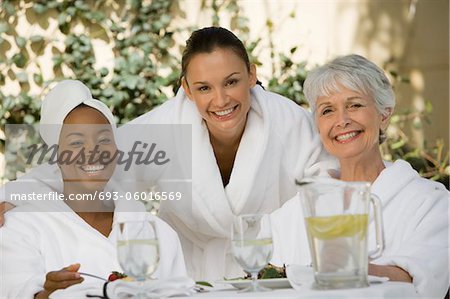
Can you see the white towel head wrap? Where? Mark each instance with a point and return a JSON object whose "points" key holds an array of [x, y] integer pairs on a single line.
{"points": [[58, 103]]}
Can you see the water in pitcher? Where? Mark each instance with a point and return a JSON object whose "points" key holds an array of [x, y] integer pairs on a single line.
{"points": [[340, 247]]}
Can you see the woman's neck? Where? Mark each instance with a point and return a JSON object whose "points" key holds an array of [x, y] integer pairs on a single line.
{"points": [[100, 221], [366, 168], [80, 199], [225, 148], [225, 142], [92, 210]]}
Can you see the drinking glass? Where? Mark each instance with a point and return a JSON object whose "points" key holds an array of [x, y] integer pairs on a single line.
{"points": [[252, 245], [138, 250]]}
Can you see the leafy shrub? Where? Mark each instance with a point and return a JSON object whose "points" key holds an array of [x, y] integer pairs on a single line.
{"points": [[146, 65]]}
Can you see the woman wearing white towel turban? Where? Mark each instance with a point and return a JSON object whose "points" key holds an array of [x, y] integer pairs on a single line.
{"points": [[45, 244], [248, 147], [352, 101]]}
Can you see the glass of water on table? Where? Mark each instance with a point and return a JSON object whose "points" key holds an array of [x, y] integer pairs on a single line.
{"points": [[138, 250], [252, 245]]}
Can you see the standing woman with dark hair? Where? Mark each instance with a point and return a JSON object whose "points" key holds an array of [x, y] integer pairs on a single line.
{"points": [[248, 147]]}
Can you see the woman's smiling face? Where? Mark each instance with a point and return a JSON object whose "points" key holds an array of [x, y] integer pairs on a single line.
{"points": [[84, 130], [219, 83], [349, 124]]}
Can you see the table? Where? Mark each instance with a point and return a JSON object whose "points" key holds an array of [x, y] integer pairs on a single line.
{"points": [[380, 290]]}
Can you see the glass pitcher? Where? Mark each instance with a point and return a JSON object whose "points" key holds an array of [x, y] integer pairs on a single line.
{"points": [[336, 218]]}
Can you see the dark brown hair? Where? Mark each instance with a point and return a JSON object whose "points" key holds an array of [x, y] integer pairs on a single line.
{"points": [[208, 39]]}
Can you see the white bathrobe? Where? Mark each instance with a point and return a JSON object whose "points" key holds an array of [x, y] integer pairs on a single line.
{"points": [[35, 242], [279, 144], [416, 229]]}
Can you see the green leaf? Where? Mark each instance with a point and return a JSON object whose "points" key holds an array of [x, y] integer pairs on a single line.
{"points": [[394, 73], [165, 19], [428, 107], [3, 27], [39, 8], [71, 11], [28, 119], [38, 79], [108, 92], [22, 77], [81, 5], [104, 72], [204, 283], [63, 18], [19, 60], [130, 109], [270, 273], [131, 81], [64, 28], [9, 8], [21, 42], [36, 38], [52, 4], [97, 16], [395, 119], [417, 123], [163, 43], [398, 144], [57, 60], [405, 80]]}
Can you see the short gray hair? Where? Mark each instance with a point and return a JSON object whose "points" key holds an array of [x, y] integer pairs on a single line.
{"points": [[355, 73]]}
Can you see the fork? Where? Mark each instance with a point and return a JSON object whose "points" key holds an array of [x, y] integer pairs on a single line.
{"points": [[91, 275]]}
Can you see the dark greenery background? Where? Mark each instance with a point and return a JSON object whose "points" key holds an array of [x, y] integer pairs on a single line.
{"points": [[146, 63]]}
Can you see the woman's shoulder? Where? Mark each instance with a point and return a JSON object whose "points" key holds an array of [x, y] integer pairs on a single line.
{"points": [[159, 114], [280, 104], [401, 181], [25, 220], [404, 168]]}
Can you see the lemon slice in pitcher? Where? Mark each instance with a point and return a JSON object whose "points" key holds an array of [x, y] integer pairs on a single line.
{"points": [[338, 226]]}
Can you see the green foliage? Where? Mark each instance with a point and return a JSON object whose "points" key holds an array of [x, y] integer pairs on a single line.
{"points": [[430, 162], [290, 80], [146, 68], [144, 74], [141, 37]]}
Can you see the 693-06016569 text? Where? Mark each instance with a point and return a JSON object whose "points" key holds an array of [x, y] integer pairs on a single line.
{"points": [[100, 195]]}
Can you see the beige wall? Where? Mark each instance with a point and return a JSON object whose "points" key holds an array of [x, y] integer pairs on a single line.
{"points": [[408, 36], [412, 35]]}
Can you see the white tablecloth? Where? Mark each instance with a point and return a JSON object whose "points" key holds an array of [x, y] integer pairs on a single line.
{"points": [[380, 290]]}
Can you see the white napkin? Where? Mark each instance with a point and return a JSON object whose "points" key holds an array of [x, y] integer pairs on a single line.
{"points": [[180, 286], [120, 289], [299, 275]]}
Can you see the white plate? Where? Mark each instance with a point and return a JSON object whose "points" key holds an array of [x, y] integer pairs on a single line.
{"points": [[377, 279], [272, 283]]}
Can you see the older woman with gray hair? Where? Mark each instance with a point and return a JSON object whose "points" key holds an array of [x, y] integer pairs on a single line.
{"points": [[352, 101]]}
